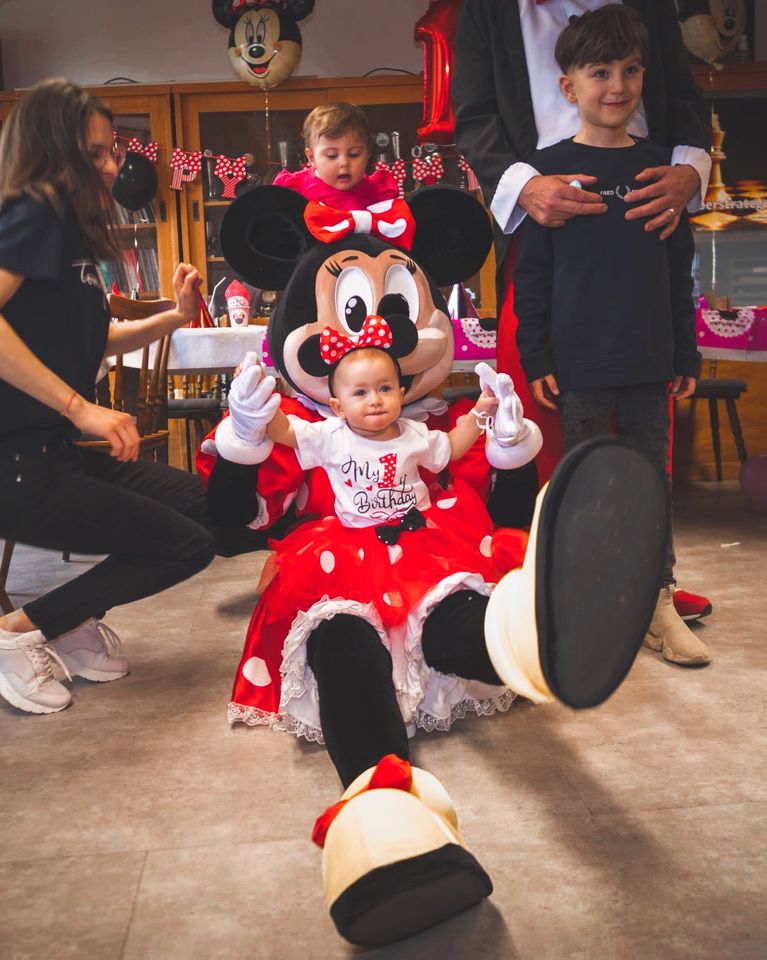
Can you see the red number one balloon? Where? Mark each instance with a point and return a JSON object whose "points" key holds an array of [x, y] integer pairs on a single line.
{"points": [[436, 30]]}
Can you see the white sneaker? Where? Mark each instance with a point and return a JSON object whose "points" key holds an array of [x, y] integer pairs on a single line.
{"points": [[26, 677], [87, 651]]}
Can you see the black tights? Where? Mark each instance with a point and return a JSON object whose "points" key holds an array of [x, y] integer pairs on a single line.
{"points": [[360, 718]]}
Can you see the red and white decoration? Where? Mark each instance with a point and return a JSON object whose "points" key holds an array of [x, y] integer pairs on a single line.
{"points": [[148, 150], [398, 170], [428, 170], [471, 178], [390, 220], [230, 172], [186, 166], [237, 304], [375, 332]]}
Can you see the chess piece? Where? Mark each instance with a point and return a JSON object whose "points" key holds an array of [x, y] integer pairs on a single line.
{"points": [[717, 191]]}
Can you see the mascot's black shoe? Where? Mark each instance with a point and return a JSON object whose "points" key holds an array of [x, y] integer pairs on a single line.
{"points": [[568, 624], [393, 863]]}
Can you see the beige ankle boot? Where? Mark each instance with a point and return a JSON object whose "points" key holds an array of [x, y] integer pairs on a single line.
{"points": [[670, 635]]}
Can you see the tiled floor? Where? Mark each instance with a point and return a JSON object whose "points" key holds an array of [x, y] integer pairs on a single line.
{"points": [[138, 825]]}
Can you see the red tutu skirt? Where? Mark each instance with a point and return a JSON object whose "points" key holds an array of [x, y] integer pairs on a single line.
{"points": [[324, 568]]}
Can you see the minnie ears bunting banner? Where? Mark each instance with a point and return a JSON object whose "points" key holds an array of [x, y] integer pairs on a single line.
{"points": [[230, 172], [429, 169], [186, 166], [148, 150]]}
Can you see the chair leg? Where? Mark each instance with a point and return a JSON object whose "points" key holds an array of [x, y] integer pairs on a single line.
{"points": [[5, 601], [188, 445], [713, 412], [199, 433], [66, 556], [732, 412]]}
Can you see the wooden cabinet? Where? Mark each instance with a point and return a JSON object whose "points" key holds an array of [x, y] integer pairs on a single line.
{"points": [[230, 119], [150, 240]]}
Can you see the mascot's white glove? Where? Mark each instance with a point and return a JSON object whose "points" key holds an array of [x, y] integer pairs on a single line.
{"points": [[241, 437], [512, 441]]}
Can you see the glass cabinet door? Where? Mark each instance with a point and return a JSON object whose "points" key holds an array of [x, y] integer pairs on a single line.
{"points": [[731, 232], [237, 123], [147, 237]]}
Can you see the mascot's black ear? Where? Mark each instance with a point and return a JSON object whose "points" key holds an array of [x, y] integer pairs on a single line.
{"points": [[300, 8], [222, 11], [263, 236], [452, 233]]}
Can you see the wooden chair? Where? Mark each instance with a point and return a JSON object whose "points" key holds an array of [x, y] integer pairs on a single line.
{"points": [[728, 390], [197, 412], [150, 412], [150, 404]]}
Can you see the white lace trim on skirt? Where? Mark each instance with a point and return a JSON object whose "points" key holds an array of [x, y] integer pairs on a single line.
{"points": [[427, 699]]}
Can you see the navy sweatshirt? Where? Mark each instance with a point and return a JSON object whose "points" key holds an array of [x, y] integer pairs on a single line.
{"points": [[600, 301]]}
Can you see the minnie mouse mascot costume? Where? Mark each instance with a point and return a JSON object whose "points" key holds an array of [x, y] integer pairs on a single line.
{"points": [[557, 624]]}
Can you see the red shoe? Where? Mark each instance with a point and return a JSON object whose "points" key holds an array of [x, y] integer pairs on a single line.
{"points": [[690, 606]]}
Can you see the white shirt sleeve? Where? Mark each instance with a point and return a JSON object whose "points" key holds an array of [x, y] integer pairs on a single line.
{"points": [[700, 160], [312, 441], [437, 454], [504, 206]]}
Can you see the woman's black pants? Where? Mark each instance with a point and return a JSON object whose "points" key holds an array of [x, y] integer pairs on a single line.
{"points": [[150, 519]]}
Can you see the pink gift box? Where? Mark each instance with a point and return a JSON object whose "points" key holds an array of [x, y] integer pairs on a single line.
{"points": [[742, 328], [474, 338]]}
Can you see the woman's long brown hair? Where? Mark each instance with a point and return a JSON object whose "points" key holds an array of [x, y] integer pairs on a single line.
{"points": [[43, 154]]}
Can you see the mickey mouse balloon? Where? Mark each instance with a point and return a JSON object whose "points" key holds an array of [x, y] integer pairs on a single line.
{"points": [[711, 28], [264, 39]]}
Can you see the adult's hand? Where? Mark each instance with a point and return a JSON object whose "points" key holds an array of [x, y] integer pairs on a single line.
{"points": [[551, 201], [665, 197], [545, 390], [107, 424], [186, 284], [683, 387]]}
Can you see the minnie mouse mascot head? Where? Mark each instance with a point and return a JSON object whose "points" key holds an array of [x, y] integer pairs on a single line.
{"points": [[560, 625], [264, 39]]}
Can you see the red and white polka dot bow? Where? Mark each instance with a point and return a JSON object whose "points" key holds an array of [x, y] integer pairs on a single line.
{"points": [[399, 172], [185, 166], [230, 172], [390, 220], [240, 6], [148, 150], [375, 332], [428, 170]]}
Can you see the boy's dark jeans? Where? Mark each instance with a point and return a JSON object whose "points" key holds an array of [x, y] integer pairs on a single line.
{"points": [[641, 413]]}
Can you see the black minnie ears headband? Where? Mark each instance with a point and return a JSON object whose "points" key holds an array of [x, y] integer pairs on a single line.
{"points": [[228, 12], [264, 235]]}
